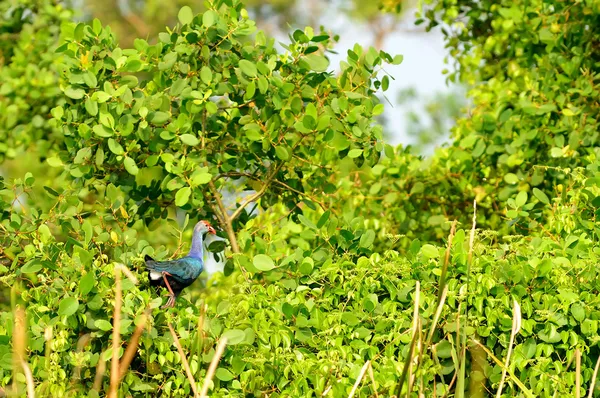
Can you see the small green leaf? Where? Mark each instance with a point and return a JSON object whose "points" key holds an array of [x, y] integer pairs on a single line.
{"points": [[223, 374], [209, 18], [354, 153], [54, 161], [323, 219], [189, 139], [367, 239], [75, 93], [89, 78], [68, 306], [511, 178], [385, 83], [282, 153], [248, 68], [234, 336], [578, 312], [91, 107], [521, 199], [206, 74], [115, 147], [430, 251], [159, 118], [87, 283], [263, 262], [317, 62], [378, 109], [541, 196], [31, 267], [185, 15], [201, 178], [182, 196], [103, 324], [130, 165]]}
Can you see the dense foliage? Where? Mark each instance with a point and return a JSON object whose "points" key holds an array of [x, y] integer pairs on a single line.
{"points": [[324, 272]]}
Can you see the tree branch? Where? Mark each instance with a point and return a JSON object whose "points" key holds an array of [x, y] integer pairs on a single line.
{"points": [[258, 194]]}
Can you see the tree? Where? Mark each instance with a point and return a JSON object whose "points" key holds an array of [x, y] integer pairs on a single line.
{"points": [[215, 113]]}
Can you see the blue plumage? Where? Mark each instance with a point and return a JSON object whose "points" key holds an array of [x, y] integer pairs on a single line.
{"points": [[176, 275]]}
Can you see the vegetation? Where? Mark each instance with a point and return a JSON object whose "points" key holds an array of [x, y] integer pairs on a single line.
{"points": [[352, 268]]}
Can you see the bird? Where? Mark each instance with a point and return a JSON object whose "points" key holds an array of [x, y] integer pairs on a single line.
{"points": [[176, 275]]}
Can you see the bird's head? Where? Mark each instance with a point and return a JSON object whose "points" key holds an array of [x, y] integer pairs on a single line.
{"points": [[204, 226]]}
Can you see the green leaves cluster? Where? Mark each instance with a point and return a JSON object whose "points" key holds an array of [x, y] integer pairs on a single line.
{"points": [[214, 105]]}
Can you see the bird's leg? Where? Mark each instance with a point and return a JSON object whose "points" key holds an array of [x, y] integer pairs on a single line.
{"points": [[171, 301]]}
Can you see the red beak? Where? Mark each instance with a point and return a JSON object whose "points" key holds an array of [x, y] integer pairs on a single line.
{"points": [[210, 229]]}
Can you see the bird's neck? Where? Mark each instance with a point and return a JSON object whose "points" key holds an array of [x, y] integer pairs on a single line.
{"points": [[196, 249]]}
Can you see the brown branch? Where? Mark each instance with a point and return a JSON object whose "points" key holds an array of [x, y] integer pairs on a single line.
{"points": [[133, 344], [184, 360], [257, 195]]}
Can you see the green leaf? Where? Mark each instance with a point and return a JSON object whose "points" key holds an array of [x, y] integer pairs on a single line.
{"points": [[91, 107], [182, 196], [223, 374], [263, 262], [578, 312], [521, 199], [189, 139], [31, 267], [367, 239], [103, 324], [54, 161], [354, 153], [201, 178], [248, 68], [87, 283], [185, 15], [209, 18], [378, 109], [130, 165], [317, 62], [68, 306], [234, 336], [307, 222], [282, 153], [90, 79], [323, 219], [75, 93], [206, 74], [541, 196], [159, 118], [115, 147], [511, 178], [430, 251], [385, 83]]}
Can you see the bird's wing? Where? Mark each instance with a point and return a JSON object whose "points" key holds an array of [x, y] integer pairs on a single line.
{"points": [[183, 268]]}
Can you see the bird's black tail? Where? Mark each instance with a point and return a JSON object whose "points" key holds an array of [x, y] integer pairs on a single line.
{"points": [[148, 258]]}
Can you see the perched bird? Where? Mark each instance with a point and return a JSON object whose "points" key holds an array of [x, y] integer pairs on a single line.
{"points": [[176, 275]]}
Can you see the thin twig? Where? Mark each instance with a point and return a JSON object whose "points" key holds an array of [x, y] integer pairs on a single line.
{"points": [[133, 344], [372, 376], [29, 380], [577, 373], [408, 361], [446, 261], [116, 337], [594, 378], [258, 194], [184, 360], [213, 366], [359, 378], [516, 327], [100, 369], [514, 378]]}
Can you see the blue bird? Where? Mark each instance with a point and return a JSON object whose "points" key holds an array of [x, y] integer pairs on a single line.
{"points": [[176, 275]]}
